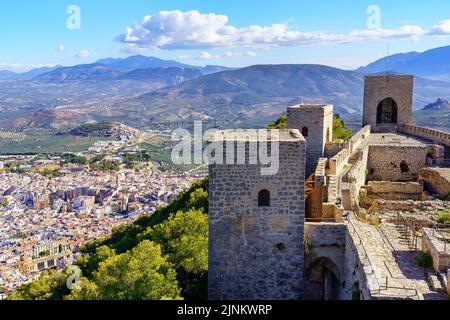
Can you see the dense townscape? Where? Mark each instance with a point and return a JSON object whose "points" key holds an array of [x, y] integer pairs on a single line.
{"points": [[44, 219]]}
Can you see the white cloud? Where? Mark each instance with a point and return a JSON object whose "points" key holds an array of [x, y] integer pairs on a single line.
{"points": [[18, 67], [83, 54], [171, 30], [442, 28], [61, 48], [208, 56]]}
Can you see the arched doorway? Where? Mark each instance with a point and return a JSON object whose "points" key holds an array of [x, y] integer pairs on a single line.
{"points": [[387, 112], [322, 280]]}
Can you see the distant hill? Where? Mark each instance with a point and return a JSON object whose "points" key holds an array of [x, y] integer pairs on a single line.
{"points": [[140, 62], [37, 72], [435, 118], [166, 76], [214, 69], [433, 64], [110, 129], [80, 72], [162, 72], [255, 95], [255, 92], [144, 62], [8, 75], [161, 97], [440, 104], [160, 77], [46, 119], [111, 69]]}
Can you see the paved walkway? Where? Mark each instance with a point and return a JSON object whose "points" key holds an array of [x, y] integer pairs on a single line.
{"points": [[393, 262]]}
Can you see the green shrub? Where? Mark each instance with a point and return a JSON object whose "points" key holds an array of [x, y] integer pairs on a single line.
{"points": [[280, 123], [425, 260], [340, 132], [444, 217]]}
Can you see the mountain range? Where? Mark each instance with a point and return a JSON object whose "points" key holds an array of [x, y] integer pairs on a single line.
{"points": [[249, 96], [433, 64], [106, 69], [155, 93]]}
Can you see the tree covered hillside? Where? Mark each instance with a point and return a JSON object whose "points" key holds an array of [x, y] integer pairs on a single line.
{"points": [[160, 256]]}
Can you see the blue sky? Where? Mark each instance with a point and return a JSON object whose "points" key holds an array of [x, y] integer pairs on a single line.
{"points": [[226, 32]]}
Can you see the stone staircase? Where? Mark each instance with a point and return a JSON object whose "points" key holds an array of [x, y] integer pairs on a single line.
{"points": [[392, 259], [437, 281], [332, 189], [355, 157]]}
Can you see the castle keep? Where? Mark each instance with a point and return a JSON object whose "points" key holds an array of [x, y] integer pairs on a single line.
{"points": [[388, 102], [315, 122], [257, 222], [339, 219]]}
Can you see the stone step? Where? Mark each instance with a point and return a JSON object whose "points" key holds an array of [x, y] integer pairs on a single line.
{"points": [[355, 157], [444, 279], [435, 282]]}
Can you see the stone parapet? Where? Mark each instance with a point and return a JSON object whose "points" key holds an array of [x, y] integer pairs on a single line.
{"points": [[434, 243], [427, 133]]}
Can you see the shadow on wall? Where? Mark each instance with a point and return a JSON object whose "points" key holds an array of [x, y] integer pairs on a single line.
{"points": [[322, 280]]}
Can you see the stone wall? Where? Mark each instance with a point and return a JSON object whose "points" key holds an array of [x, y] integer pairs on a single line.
{"points": [[321, 171], [326, 235], [339, 162], [340, 246], [326, 248], [397, 87], [385, 161], [350, 164], [357, 270], [390, 191], [257, 253], [436, 180], [422, 208], [354, 179], [441, 254], [448, 282], [333, 148], [381, 187], [318, 121], [314, 203], [359, 139], [440, 137]]}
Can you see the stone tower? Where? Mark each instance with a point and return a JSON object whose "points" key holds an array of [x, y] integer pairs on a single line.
{"points": [[315, 122], [388, 102], [256, 221]]}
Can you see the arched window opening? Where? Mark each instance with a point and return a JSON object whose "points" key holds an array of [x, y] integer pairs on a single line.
{"points": [[404, 167], [322, 280], [305, 131], [387, 111], [328, 135], [264, 198]]}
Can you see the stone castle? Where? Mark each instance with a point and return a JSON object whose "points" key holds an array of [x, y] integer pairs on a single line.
{"points": [[340, 219]]}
